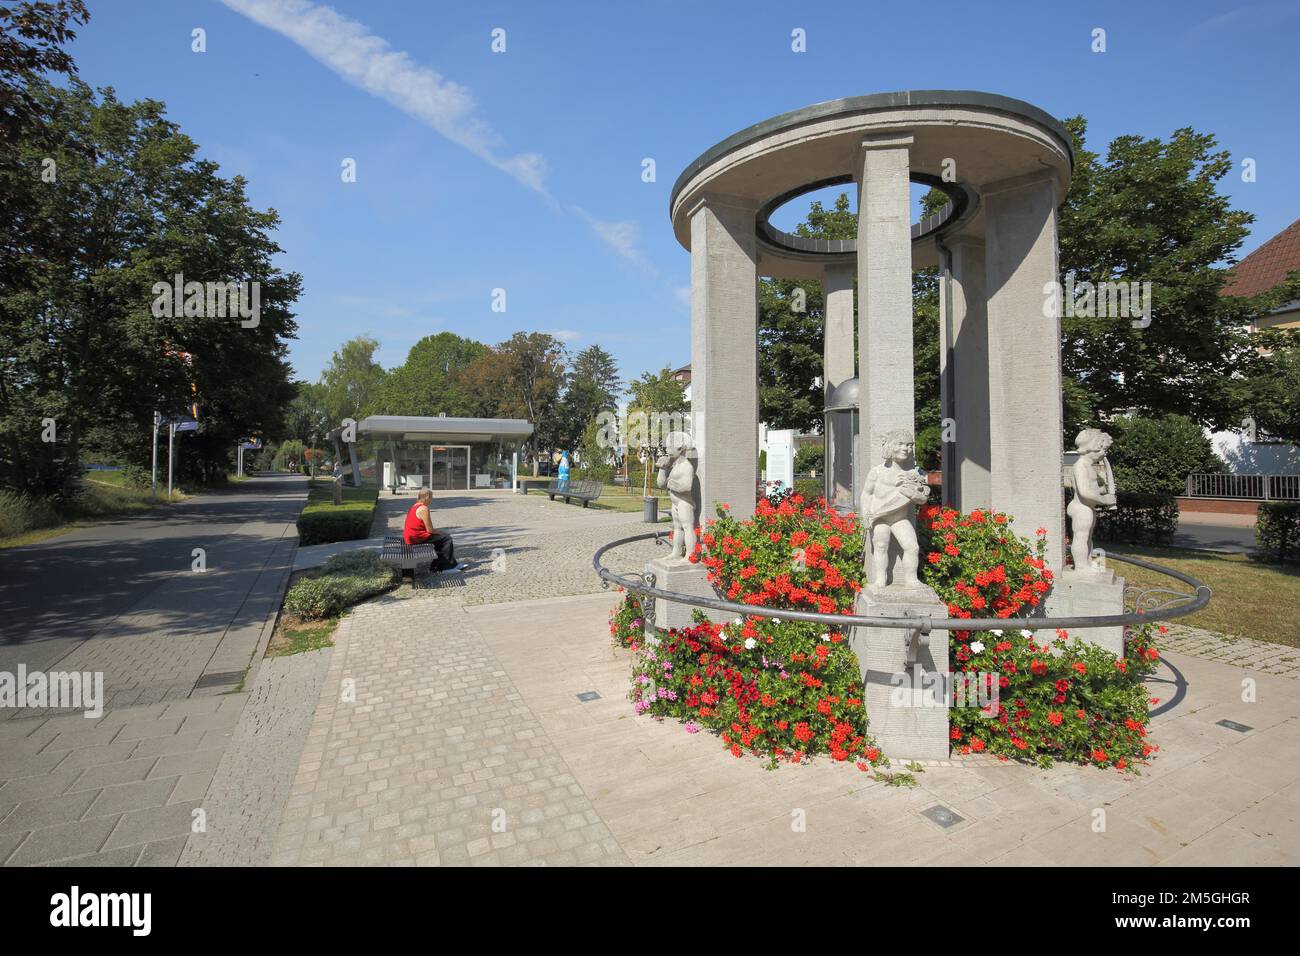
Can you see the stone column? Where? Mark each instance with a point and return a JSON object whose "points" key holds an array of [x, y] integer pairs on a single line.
{"points": [[724, 352], [885, 288], [964, 375], [839, 363], [838, 352], [1025, 454]]}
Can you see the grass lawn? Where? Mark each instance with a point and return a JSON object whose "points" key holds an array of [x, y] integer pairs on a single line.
{"points": [[105, 495], [293, 636], [1250, 599]]}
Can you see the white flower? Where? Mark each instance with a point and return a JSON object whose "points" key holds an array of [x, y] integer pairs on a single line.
{"points": [[996, 633], [739, 621], [826, 638], [750, 643], [977, 646], [1025, 633]]}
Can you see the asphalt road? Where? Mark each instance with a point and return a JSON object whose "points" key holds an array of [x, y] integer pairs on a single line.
{"points": [[123, 596]]}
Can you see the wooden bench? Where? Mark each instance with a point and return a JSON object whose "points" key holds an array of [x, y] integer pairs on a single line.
{"points": [[404, 556], [585, 490]]}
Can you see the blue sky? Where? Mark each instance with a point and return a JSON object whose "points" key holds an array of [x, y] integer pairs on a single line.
{"points": [[522, 170]]}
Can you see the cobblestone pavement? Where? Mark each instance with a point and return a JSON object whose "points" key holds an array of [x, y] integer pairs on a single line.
{"points": [[423, 752], [1240, 651]]}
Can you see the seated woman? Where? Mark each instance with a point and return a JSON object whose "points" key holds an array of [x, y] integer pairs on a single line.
{"points": [[419, 529]]}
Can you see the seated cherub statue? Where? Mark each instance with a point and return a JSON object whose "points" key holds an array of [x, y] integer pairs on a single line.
{"points": [[889, 499]]}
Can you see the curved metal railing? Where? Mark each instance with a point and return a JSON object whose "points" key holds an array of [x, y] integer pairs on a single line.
{"points": [[1152, 604]]}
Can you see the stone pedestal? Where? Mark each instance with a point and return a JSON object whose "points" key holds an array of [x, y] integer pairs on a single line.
{"points": [[906, 686], [680, 575], [1092, 593]]}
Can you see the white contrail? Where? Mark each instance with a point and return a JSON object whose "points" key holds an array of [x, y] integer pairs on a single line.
{"points": [[369, 62]]}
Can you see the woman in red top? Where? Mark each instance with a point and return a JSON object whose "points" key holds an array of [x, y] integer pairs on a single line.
{"points": [[419, 529]]}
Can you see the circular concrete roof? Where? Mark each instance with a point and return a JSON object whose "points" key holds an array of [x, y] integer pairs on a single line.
{"points": [[990, 138]]}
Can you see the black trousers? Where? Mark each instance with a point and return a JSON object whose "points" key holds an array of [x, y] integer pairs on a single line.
{"points": [[442, 543]]}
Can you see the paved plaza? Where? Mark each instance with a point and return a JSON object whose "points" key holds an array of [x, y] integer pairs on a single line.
{"points": [[457, 725]]}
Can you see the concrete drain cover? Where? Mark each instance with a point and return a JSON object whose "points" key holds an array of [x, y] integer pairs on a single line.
{"points": [[942, 816], [1233, 725], [222, 679], [587, 695]]}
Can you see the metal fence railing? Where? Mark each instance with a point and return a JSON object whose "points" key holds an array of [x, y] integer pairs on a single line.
{"points": [[1248, 487]]}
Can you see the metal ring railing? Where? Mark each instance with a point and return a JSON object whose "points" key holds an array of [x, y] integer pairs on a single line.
{"points": [[1152, 604]]}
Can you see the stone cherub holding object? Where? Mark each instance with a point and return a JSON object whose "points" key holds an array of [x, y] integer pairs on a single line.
{"points": [[889, 499], [677, 474], [1094, 488]]}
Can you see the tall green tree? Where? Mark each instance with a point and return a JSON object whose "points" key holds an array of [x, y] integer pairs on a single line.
{"points": [[592, 386], [522, 378], [430, 381], [350, 386], [1150, 210], [124, 206]]}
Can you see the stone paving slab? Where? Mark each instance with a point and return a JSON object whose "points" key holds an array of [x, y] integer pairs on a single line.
{"points": [[670, 798], [422, 752], [118, 790]]}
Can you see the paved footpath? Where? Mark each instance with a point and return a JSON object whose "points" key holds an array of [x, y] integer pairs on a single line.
{"points": [[489, 725], [173, 646]]}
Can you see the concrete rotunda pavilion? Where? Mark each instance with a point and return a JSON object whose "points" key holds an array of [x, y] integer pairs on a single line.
{"points": [[1007, 167]]}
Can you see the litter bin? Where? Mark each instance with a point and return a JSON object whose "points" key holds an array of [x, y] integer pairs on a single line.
{"points": [[650, 510]]}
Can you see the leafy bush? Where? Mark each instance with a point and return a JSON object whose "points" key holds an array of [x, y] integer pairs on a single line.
{"points": [[787, 690], [1155, 455], [627, 621], [978, 565], [322, 521], [1277, 531], [1141, 517], [810, 458], [22, 513], [1068, 700], [784, 690], [346, 579]]}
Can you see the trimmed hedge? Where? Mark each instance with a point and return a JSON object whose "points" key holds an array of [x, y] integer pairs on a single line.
{"points": [[322, 521], [1277, 531], [1142, 517], [345, 579]]}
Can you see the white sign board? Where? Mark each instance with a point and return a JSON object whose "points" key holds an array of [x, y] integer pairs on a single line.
{"points": [[780, 460]]}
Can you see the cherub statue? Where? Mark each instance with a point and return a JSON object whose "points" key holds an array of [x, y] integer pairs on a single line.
{"points": [[889, 499], [677, 474], [1094, 487]]}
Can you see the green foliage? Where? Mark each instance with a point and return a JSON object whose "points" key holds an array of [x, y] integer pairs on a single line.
{"points": [[322, 521], [132, 205], [345, 580], [592, 386], [784, 690], [522, 378], [978, 565], [810, 458], [1056, 700], [351, 384], [1151, 210], [430, 381], [1269, 392], [627, 621], [1155, 455], [20, 513], [1141, 517], [1277, 531]]}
